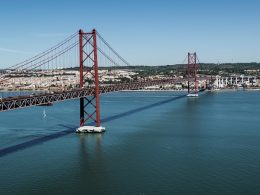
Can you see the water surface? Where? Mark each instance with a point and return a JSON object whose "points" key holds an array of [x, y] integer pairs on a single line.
{"points": [[156, 143]]}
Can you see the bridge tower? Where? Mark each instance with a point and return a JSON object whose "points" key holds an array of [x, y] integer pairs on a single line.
{"points": [[89, 106], [192, 72]]}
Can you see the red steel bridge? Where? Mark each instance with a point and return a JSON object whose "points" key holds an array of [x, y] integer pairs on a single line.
{"points": [[83, 52]]}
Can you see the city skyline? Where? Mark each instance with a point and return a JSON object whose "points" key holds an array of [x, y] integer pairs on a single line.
{"points": [[149, 33]]}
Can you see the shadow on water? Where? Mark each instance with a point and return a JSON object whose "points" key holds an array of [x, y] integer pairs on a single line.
{"points": [[71, 129]]}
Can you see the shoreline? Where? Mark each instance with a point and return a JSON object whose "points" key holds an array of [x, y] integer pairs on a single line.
{"points": [[154, 90], [185, 90]]}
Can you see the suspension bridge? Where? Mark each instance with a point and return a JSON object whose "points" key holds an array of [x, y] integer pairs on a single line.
{"points": [[83, 52]]}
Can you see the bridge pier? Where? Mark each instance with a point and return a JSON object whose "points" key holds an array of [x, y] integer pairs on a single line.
{"points": [[89, 106], [192, 73]]}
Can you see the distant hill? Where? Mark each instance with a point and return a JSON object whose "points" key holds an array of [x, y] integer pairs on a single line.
{"points": [[223, 69]]}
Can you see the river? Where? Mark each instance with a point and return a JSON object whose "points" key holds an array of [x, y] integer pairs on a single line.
{"points": [[155, 143]]}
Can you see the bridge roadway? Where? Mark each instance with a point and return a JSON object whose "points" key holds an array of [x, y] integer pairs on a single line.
{"points": [[17, 102]]}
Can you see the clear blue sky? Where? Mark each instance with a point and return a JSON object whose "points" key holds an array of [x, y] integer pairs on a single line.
{"points": [[142, 31]]}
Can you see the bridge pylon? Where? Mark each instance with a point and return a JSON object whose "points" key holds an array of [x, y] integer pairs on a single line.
{"points": [[192, 72], [88, 59]]}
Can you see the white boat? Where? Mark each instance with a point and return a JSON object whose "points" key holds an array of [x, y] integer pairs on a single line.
{"points": [[90, 129], [44, 114], [192, 95]]}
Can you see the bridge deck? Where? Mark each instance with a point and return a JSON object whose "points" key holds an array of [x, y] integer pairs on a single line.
{"points": [[45, 98]]}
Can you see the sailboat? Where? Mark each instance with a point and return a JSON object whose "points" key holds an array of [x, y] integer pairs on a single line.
{"points": [[44, 113]]}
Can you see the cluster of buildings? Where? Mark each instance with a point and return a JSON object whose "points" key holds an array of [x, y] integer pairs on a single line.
{"points": [[58, 79], [236, 81], [69, 79]]}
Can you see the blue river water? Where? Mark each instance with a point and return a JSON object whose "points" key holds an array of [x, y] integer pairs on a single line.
{"points": [[155, 143]]}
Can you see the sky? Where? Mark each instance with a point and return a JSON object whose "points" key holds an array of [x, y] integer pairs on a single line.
{"points": [[144, 32]]}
